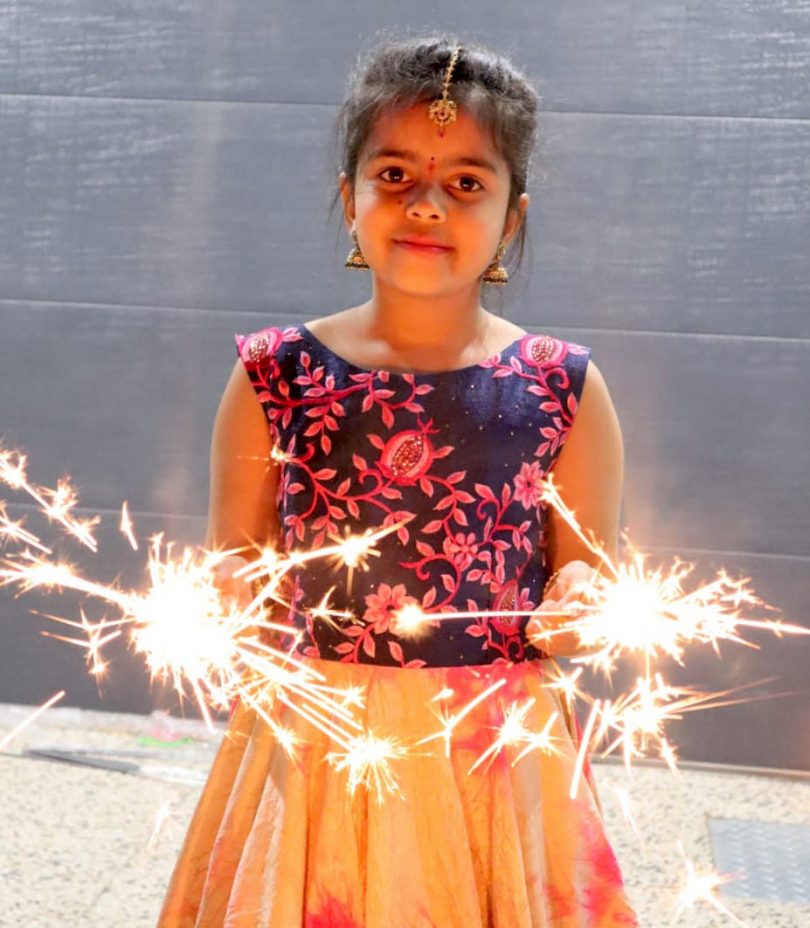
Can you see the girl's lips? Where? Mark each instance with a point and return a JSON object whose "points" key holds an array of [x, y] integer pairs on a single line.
{"points": [[425, 249]]}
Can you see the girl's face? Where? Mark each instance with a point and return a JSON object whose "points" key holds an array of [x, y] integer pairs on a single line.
{"points": [[412, 182]]}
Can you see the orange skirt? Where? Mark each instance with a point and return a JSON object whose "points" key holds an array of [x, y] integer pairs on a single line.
{"points": [[280, 842]]}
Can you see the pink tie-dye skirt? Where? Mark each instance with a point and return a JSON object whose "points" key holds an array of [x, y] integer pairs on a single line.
{"points": [[280, 841]]}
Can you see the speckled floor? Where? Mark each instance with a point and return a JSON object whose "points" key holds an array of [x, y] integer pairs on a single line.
{"points": [[77, 846]]}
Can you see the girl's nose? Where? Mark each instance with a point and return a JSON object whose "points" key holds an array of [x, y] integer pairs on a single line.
{"points": [[425, 203]]}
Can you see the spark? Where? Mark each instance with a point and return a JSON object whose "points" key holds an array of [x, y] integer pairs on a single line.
{"points": [[126, 527], [700, 888], [163, 814], [14, 531], [367, 759], [511, 732], [56, 504], [27, 721], [452, 722]]}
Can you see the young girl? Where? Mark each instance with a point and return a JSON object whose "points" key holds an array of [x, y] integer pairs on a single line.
{"points": [[423, 408]]}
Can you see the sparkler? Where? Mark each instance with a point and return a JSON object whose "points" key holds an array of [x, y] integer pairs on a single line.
{"points": [[187, 634], [700, 888]]}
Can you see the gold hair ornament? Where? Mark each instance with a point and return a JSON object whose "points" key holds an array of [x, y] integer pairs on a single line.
{"points": [[442, 110]]}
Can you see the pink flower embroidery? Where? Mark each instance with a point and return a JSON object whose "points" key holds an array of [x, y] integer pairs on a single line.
{"points": [[461, 548], [528, 484], [383, 603]]}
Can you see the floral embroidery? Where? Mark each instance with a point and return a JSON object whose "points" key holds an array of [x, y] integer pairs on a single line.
{"points": [[454, 460], [528, 484]]}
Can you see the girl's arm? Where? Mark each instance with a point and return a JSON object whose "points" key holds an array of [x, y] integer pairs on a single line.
{"points": [[244, 476], [589, 473]]}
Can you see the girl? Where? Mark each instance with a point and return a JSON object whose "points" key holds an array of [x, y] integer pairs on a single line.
{"points": [[417, 407]]}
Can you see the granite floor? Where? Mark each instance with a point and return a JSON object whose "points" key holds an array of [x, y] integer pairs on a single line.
{"points": [[78, 845]]}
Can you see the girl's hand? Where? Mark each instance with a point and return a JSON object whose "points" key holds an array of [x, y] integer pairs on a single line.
{"points": [[234, 589], [569, 588]]}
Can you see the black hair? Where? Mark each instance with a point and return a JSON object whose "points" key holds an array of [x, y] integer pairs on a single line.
{"points": [[400, 71]]}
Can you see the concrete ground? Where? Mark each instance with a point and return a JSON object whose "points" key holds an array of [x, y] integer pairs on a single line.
{"points": [[78, 848]]}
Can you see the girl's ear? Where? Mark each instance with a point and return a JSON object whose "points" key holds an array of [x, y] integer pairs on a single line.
{"points": [[516, 217], [347, 195]]}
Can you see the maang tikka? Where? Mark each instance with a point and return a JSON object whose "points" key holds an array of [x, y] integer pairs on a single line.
{"points": [[442, 111]]}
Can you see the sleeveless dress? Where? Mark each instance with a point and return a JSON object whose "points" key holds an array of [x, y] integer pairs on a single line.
{"points": [[456, 457]]}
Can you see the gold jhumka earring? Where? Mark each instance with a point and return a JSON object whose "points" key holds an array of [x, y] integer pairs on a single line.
{"points": [[496, 273], [355, 258]]}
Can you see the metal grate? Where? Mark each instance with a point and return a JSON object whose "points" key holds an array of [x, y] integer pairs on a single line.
{"points": [[769, 860]]}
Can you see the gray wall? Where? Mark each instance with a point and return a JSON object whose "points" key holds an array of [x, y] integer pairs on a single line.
{"points": [[162, 186]]}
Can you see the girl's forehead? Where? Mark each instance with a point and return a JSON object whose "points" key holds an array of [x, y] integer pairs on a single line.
{"points": [[411, 129]]}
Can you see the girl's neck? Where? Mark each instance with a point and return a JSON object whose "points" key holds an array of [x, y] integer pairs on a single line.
{"points": [[412, 323]]}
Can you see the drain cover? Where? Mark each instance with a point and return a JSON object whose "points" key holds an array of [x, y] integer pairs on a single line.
{"points": [[769, 860]]}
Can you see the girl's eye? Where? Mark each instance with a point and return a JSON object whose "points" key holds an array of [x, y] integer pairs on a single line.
{"points": [[470, 177], [390, 169], [465, 177]]}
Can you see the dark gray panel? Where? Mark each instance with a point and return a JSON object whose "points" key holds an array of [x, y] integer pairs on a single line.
{"points": [[675, 57], [122, 400], [674, 225], [716, 438], [642, 223], [160, 203]]}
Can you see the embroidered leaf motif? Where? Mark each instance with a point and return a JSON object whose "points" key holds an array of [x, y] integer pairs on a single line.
{"points": [[396, 651], [432, 527], [484, 491], [458, 515]]}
